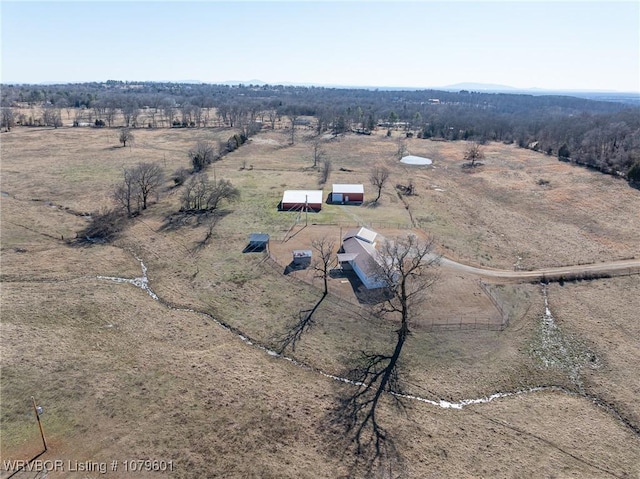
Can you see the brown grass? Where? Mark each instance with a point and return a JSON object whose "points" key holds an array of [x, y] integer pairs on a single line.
{"points": [[123, 377]]}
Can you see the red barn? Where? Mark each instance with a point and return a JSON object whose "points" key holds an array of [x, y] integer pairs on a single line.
{"points": [[344, 194], [301, 200]]}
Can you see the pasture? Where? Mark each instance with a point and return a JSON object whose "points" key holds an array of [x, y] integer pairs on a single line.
{"points": [[124, 376]]}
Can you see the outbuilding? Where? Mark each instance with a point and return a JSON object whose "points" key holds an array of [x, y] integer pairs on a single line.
{"points": [[301, 200], [347, 194], [258, 242], [302, 258]]}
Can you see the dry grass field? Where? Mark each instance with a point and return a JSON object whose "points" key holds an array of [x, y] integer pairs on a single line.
{"points": [[123, 376]]}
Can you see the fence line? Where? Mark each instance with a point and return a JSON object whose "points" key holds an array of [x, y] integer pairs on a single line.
{"points": [[465, 325], [495, 300]]}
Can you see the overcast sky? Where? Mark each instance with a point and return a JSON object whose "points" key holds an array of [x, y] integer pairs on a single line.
{"points": [[553, 45]]}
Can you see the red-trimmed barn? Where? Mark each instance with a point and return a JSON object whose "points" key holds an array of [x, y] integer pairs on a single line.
{"points": [[301, 200], [347, 193]]}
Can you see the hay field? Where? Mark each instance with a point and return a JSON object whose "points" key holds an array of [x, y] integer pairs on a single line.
{"points": [[122, 376]]}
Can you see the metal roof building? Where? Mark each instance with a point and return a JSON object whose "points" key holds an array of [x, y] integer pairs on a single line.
{"points": [[301, 200], [347, 193], [359, 253]]}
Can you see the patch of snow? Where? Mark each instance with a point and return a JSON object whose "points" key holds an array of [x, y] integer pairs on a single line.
{"points": [[558, 350], [415, 160], [142, 282]]}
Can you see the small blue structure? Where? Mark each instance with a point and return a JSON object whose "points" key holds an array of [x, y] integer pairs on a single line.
{"points": [[257, 242]]}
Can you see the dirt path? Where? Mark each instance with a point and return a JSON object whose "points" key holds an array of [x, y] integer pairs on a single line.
{"points": [[613, 268]]}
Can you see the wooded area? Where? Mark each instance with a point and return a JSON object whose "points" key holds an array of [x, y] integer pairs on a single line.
{"points": [[600, 134]]}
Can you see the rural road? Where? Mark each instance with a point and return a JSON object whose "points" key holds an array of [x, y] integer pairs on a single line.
{"points": [[613, 268]]}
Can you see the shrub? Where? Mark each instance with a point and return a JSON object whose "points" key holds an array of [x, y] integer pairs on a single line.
{"points": [[180, 176], [563, 152], [634, 173]]}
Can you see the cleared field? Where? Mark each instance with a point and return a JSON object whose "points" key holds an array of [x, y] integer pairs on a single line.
{"points": [[123, 376]]}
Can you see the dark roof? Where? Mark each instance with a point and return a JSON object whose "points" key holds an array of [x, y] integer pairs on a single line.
{"points": [[258, 238]]}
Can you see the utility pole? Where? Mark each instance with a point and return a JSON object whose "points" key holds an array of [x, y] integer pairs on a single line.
{"points": [[306, 210], [38, 411]]}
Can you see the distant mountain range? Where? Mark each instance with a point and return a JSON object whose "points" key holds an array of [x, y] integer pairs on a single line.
{"points": [[603, 95], [477, 87], [632, 98]]}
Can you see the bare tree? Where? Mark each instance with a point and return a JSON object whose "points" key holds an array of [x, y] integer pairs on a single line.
{"points": [[324, 248], [152, 112], [197, 115], [149, 177], [202, 155], [223, 190], [126, 193], [8, 119], [98, 109], [137, 186], [405, 267], [64, 103], [378, 179], [293, 117], [273, 115], [201, 195], [223, 113], [474, 153], [195, 192], [110, 114], [51, 117], [187, 112], [169, 111], [78, 116], [125, 136], [130, 112]]}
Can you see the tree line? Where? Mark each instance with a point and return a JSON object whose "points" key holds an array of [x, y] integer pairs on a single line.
{"points": [[600, 134]]}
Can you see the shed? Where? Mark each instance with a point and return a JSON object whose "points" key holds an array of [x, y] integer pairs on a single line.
{"points": [[347, 193], [258, 242], [301, 200], [302, 257]]}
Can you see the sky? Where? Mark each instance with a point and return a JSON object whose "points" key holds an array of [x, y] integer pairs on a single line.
{"points": [[575, 45]]}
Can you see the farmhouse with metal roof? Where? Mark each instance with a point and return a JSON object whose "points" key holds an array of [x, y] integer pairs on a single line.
{"points": [[358, 253]]}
